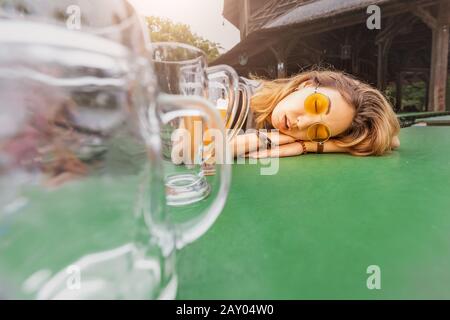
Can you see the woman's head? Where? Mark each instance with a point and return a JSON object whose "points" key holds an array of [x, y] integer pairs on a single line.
{"points": [[359, 116]]}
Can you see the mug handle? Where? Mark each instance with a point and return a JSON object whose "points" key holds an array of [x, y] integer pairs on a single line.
{"points": [[189, 231], [225, 71], [245, 107]]}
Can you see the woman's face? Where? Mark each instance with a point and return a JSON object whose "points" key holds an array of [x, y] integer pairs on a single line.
{"points": [[290, 118]]}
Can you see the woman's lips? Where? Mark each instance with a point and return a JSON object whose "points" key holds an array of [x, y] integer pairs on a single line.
{"points": [[288, 123], [283, 123]]}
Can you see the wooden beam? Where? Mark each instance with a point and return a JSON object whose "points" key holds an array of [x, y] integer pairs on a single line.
{"points": [[439, 59], [281, 52], [387, 30], [244, 16], [281, 58], [393, 26], [357, 43], [384, 42], [381, 66], [425, 16], [398, 91], [383, 54]]}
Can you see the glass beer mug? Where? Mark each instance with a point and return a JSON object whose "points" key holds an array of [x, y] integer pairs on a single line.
{"points": [[182, 70], [233, 107], [81, 144], [220, 84]]}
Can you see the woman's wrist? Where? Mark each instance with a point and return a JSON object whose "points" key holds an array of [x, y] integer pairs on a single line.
{"points": [[278, 138], [245, 143], [328, 146], [311, 147]]}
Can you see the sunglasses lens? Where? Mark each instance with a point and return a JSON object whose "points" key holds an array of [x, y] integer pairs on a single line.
{"points": [[318, 133], [317, 103]]}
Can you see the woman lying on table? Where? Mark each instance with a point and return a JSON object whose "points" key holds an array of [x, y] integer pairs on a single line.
{"points": [[317, 111]]}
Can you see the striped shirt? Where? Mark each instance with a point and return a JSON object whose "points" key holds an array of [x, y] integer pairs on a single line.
{"points": [[253, 86]]}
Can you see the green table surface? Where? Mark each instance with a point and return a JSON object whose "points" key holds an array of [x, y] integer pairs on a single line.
{"points": [[423, 114], [312, 230], [442, 120], [409, 118]]}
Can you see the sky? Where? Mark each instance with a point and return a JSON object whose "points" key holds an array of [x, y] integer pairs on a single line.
{"points": [[203, 16]]}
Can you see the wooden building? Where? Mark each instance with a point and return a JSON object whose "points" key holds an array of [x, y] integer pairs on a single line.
{"points": [[411, 45]]}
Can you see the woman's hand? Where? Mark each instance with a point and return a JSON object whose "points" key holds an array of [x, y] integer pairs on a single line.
{"points": [[249, 142], [288, 147], [295, 149], [278, 138], [285, 150]]}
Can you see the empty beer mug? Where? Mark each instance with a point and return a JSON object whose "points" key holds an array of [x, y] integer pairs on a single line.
{"points": [[232, 107], [182, 70], [87, 216]]}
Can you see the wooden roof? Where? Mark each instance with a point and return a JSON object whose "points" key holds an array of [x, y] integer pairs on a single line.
{"points": [[270, 10], [310, 17], [318, 10], [231, 11], [231, 8]]}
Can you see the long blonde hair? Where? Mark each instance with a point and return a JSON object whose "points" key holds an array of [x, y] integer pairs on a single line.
{"points": [[374, 124]]}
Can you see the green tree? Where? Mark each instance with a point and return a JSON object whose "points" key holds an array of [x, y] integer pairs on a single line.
{"points": [[163, 30]]}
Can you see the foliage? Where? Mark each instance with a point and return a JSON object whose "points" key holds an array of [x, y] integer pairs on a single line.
{"points": [[413, 96], [163, 30]]}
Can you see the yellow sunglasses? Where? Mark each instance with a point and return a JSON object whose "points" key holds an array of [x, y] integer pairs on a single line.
{"points": [[318, 104]]}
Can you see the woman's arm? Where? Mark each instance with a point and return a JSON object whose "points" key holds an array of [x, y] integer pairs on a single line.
{"points": [[249, 142], [295, 149]]}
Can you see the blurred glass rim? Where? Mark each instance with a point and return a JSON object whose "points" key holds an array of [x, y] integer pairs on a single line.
{"points": [[197, 54], [18, 32], [111, 29]]}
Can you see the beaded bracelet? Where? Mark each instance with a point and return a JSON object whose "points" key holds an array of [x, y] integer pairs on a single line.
{"points": [[304, 151]]}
